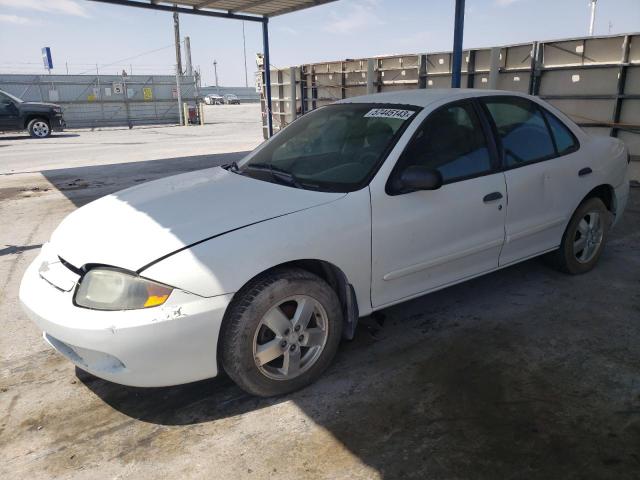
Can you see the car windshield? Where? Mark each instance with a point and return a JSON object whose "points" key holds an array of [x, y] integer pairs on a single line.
{"points": [[10, 97], [335, 148]]}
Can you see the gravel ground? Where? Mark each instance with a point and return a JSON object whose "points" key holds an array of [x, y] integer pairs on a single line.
{"points": [[524, 373]]}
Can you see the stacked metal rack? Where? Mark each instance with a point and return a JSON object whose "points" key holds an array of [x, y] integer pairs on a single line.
{"points": [[595, 80]]}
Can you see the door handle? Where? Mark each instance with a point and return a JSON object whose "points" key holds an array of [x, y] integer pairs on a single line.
{"points": [[491, 197], [585, 171]]}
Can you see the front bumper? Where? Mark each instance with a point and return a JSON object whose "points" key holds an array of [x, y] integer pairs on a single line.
{"points": [[58, 124], [167, 345]]}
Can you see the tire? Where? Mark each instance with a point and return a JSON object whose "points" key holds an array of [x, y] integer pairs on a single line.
{"points": [[591, 216], [39, 128], [259, 348]]}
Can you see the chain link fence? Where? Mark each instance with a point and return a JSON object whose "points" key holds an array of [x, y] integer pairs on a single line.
{"points": [[105, 100]]}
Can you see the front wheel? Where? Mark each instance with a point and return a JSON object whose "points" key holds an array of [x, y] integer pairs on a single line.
{"points": [[585, 237], [39, 128], [281, 332]]}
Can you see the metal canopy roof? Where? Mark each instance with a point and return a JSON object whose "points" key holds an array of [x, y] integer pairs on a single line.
{"points": [[262, 10], [267, 8], [250, 10], [227, 8]]}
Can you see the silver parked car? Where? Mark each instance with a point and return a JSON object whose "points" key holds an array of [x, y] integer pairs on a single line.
{"points": [[214, 99]]}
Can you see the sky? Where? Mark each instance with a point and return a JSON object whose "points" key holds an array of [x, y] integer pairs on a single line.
{"points": [[82, 33]]}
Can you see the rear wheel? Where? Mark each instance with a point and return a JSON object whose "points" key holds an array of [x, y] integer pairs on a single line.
{"points": [[585, 237], [39, 128], [281, 332]]}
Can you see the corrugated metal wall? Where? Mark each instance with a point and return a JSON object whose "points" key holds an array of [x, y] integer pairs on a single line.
{"points": [[105, 100], [594, 80]]}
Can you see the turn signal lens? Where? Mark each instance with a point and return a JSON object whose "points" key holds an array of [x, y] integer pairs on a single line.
{"points": [[156, 295], [105, 288]]}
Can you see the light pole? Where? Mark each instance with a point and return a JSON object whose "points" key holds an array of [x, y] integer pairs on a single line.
{"points": [[215, 72], [593, 17], [244, 50], [176, 35], [183, 121]]}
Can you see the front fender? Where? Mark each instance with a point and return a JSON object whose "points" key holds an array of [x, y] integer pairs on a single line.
{"points": [[338, 232]]}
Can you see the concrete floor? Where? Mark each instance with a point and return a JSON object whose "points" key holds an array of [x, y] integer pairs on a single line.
{"points": [[524, 373]]}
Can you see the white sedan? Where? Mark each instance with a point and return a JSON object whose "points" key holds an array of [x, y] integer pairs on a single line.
{"points": [[261, 267]]}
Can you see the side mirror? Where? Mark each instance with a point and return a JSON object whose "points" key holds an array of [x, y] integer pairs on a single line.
{"points": [[417, 177]]}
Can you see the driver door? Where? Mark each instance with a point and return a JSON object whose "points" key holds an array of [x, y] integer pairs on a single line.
{"points": [[8, 113], [424, 240]]}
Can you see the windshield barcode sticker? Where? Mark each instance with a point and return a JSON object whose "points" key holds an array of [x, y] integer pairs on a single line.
{"points": [[389, 113]]}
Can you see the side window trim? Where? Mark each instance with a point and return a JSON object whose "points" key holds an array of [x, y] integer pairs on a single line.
{"points": [[494, 131], [490, 135], [493, 153], [543, 112]]}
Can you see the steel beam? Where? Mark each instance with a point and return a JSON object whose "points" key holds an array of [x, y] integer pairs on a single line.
{"points": [[190, 11], [267, 74], [534, 69], [471, 69], [494, 68], [293, 103], [371, 71], [458, 33], [422, 72], [622, 80]]}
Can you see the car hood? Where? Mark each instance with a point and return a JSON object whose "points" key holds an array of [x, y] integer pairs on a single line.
{"points": [[39, 105], [134, 227]]}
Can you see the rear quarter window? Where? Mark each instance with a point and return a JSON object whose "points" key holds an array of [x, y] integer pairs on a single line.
{"points": [[565, 140]]}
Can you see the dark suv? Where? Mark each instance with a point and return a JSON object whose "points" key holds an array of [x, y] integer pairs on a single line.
{"points": [[39, 119]]}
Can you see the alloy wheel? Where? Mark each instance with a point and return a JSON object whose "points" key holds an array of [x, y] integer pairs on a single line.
{"points": [[290, 337], [40, 129], [588, 237]]}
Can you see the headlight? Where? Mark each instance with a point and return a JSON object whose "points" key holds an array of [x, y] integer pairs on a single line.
{"points": [[106, 288]]}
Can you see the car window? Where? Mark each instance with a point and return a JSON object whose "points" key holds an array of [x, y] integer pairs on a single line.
{"points": [[5, 97], [521, 129], [451, 141], [337, 147], [565, 140]]}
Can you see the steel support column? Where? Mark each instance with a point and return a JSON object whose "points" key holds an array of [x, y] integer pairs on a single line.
{"points": [[267, 74], [622, 80], [471, 69], [458, 33]]}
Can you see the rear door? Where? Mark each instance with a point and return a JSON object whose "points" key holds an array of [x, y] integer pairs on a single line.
{"points": [[541, 161], [424, 240]]}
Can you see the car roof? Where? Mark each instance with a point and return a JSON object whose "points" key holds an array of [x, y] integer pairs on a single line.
{"points": [[423, 97]]}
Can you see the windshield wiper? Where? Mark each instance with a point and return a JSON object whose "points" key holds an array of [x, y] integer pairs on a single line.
{"points": [[232, 167], [278, 174]]}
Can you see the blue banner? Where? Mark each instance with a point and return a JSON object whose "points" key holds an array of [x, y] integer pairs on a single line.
{"points": [[46, 58]]}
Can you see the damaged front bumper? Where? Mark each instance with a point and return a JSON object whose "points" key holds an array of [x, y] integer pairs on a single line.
{"points": [[167, 345], [57, 123]]}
